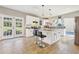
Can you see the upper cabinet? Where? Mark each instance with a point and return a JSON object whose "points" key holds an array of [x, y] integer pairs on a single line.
{"points": [[30, 19]]}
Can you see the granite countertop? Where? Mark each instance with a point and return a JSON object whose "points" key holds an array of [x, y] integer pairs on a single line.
{"points": [[48, 29]]}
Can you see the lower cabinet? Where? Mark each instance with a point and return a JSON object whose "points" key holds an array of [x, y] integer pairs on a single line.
{"points": [[52, 36], [29, 32]]}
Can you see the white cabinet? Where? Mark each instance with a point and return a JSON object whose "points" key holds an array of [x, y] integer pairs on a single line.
{"points": [[29, 21], [29, 32], [10, 26], [52, 36]]}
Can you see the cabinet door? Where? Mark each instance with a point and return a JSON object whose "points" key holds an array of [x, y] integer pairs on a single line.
{"points": [[19, 26], [7, 27]]}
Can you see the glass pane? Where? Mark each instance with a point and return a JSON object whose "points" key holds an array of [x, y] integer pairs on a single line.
{"points": [[10, 24], [18, 24], [7, 24], [7, 32], [4, 23], [18, 31]]}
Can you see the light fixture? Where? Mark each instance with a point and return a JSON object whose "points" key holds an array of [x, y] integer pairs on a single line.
{"points": [[50, 14], [40, 21], [42, 10]]}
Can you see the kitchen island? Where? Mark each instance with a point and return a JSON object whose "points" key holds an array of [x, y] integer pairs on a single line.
{"points": [[52, 35]]}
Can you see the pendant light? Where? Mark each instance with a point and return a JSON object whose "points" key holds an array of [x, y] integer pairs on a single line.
{"points": [[50, 14], [40, 22], [42, 10]]}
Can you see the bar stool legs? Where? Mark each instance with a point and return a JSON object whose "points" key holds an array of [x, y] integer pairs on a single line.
{"points": [[41, 44]]}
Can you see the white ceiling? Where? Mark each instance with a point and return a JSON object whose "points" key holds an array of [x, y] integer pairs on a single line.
{"points": [[37, 9]]}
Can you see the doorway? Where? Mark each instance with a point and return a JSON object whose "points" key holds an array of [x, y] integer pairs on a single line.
{"points": [[69, 27]]}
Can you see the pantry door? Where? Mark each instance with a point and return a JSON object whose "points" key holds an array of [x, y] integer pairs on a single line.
{"points": [[7, 27], [19, 26]]}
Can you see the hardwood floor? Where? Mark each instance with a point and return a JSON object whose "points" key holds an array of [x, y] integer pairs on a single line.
{"points": [[28, 46]]}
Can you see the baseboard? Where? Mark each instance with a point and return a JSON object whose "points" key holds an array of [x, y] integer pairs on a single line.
{"points": [[12, 38]]}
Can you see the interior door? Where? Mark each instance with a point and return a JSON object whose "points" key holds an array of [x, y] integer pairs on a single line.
{"points": [[18, 26], [7, 27], [77, 30]]}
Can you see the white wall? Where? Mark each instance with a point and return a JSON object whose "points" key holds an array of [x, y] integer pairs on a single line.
{"points": [[70, 24]]}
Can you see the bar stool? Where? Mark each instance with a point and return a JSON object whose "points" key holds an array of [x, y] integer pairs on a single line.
{"points": [[41, 44]]}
